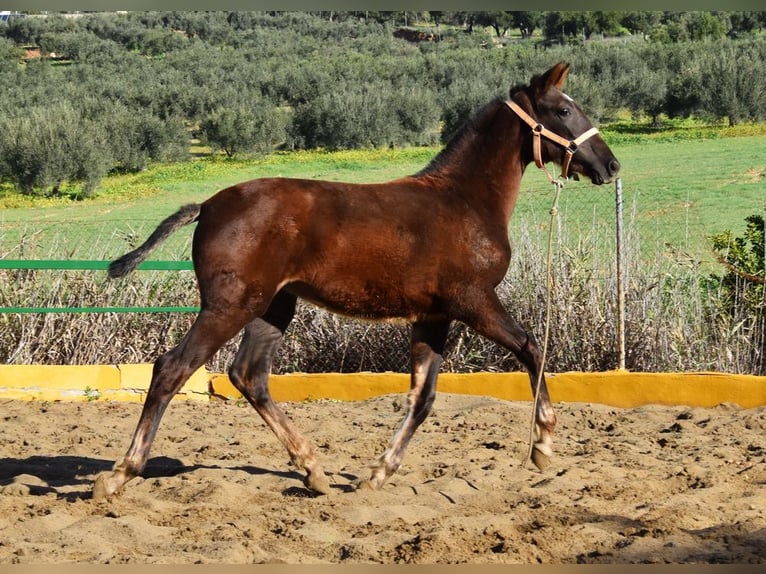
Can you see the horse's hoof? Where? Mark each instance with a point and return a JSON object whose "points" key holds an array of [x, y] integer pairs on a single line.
{"points": [[365, 484], [101, 488], [317, 483], [540, 459]]}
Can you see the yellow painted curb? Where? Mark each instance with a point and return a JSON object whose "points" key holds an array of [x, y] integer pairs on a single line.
{"points": [[136, 379], [312, 386], [70, 382], [624, 389], [615, 388], [89, 382]]}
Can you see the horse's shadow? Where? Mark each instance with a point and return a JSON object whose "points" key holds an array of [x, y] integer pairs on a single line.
{"points": [[59, 474]]}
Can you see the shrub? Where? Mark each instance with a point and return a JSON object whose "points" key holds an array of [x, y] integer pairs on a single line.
{"points": [[418, 115], [743, 256], [49, 146], [459, 102], [245, 127], [743, 286], [140, 137], [354, 116]]}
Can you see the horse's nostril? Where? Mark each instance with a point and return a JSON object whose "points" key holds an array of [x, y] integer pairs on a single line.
{"points": [[614, 167]]}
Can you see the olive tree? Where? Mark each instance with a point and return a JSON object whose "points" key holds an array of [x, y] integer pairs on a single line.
{"points": [[256, 126], [46, 147]]}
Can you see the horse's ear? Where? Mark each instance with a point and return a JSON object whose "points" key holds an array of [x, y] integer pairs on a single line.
{"points": [[555, 77]]}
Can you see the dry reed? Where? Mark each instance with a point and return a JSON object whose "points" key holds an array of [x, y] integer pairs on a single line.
{"points": [[676, 319]]}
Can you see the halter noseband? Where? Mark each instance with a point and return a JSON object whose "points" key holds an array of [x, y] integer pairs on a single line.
{"points": [[539, 130]]}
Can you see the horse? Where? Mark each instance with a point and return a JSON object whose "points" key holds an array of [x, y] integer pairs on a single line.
{"points": [[427, 249]]}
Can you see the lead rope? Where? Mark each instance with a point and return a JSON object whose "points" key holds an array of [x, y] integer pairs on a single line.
{"points": [[558, 184], [570, 146]]}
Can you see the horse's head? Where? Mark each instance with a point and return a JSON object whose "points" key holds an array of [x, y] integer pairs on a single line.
{"points": [[563, 133]]}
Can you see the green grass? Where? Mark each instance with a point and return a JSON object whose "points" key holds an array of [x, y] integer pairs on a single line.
{"points": [[200, 178], [684, 188], [127, 207]]}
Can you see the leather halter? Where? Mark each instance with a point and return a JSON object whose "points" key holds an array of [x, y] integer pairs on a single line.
{"points": [[539, 131]]}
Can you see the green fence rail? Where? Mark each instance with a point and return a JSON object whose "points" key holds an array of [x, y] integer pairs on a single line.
{"points": [[90, 265], [94, 265]]}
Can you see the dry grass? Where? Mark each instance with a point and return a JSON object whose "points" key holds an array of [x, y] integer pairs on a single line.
{"points": [[677, 321]]}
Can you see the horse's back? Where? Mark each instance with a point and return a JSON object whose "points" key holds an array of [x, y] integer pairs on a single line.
{"points": [[378, 250]]}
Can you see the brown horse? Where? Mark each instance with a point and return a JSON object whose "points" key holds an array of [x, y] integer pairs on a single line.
{"points": [[428, 249]]}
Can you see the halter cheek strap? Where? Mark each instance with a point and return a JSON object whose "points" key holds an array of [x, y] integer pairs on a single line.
{"points": [[539, 131]]}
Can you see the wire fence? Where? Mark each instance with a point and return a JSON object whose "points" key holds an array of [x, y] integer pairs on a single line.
{"points": [[665, 258]]}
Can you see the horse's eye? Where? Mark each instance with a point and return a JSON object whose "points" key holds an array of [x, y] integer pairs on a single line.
{"points": [[564, 112]]}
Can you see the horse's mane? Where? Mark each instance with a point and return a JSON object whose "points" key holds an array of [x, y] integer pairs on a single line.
{"points": [[474, 126]]}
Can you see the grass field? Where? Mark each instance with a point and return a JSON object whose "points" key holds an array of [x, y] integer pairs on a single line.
{"points": [[678, 192], [133, 204]]}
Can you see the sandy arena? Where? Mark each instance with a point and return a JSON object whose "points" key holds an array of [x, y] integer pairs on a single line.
{"points": [[650, 484]]}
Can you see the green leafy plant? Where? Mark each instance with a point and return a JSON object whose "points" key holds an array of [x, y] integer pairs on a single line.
{"points": [[743, 256], [743, 287]]}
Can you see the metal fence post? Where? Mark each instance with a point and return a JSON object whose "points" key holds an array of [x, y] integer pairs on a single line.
{"points": [[620, 275]]}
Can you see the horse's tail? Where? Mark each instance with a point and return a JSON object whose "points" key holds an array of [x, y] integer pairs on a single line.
{"points": [[130, 261]]}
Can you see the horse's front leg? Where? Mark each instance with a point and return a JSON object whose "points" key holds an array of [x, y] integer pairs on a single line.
{"points": [[426, 357], [488, 317]]}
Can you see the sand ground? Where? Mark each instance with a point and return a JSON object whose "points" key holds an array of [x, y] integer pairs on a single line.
{"points": [[651, 484]]}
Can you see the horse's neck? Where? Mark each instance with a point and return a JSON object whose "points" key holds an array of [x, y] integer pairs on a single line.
{"points": [[492, 168]]}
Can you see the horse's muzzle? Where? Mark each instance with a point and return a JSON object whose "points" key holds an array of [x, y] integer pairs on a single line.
{"points": [[607, 175]]}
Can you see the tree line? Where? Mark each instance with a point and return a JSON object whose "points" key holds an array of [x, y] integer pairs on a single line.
{"points": [[112, 92]]}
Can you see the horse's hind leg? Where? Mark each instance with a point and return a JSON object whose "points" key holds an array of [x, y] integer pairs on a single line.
{"points": [[249, 374], [426, 357], [209, 331]]}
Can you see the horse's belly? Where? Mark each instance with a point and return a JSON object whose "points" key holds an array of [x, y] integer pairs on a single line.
{"points": [[366, 300]]}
